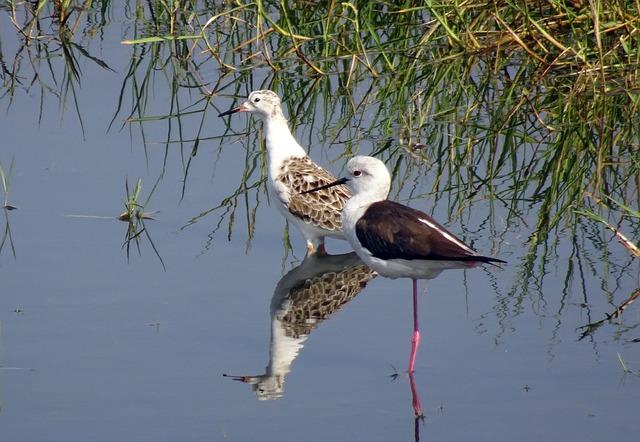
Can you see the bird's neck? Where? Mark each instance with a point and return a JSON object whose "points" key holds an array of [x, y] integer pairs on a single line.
{"points": [[355, 207], [365, 199], [281, 145], [283, 349]]}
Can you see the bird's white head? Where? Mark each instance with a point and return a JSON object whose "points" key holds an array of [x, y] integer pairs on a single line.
{"points": [[368, 175], [367, 178], [266, 386], [264, 103]]}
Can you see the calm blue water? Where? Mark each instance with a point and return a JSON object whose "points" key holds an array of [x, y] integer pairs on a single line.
{"points": [[95, 348]]}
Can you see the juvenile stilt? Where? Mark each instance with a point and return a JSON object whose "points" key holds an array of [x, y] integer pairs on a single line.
{"points": [[291, 173], [415, 339]]}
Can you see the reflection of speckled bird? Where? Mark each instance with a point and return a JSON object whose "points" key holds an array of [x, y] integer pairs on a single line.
{"points": [[291, 172], [303, 298]]}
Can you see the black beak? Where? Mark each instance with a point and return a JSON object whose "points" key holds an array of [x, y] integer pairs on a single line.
{"points": [[326, 186], [241, 108], [236, 378]]}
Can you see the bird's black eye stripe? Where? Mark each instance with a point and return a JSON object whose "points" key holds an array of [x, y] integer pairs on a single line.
{"points": [[255, 100]]}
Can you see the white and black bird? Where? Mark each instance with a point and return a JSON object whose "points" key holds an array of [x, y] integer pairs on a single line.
{"points": [[395, 240], [292, 172]]}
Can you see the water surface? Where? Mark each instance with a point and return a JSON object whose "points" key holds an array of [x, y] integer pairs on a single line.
{"points": [[95, 346]]}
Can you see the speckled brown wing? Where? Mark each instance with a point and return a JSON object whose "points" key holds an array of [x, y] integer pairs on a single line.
{"points": [[322, 208], [316, 299]]}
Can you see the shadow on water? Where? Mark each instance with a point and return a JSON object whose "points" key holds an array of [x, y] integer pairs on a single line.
{"points": [[304, 298]]}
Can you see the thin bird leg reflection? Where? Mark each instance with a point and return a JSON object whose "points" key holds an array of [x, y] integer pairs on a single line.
{"points": [[415, 399]]}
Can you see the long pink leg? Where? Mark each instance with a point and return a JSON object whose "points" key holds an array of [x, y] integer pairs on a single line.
{"points": [[415, 339]]}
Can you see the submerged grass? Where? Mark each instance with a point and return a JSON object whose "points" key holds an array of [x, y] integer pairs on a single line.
{"points": [[7, 237], [135, 217], [589, 329], [4, 180], [50, 45]]}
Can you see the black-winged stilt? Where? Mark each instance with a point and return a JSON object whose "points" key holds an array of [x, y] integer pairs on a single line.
{"points": [[395, 240]]}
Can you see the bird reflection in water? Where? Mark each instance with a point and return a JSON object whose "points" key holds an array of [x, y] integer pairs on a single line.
{"points": [[302, 299], [415, 397]]}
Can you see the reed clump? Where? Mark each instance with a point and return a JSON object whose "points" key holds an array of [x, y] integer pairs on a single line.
{"points": [[135, 216], [529, 103]]}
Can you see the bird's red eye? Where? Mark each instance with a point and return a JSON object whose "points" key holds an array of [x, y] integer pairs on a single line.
{"points": [[357, 173]]}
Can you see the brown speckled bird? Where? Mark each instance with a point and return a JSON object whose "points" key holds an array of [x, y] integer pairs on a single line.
{"points": [[291, 172]]}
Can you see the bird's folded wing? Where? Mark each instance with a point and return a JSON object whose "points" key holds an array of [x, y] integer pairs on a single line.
{"points": [[390, 230], [322, 208]]}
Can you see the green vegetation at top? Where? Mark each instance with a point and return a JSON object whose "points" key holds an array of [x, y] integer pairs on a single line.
{"points": [[530, 104], [534, 102]]}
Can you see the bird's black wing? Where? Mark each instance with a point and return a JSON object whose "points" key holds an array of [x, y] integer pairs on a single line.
{"points": [[393, 231]]}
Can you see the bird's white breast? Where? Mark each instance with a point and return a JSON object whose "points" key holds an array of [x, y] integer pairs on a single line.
{"points": [[352, 212], [279, 190]]}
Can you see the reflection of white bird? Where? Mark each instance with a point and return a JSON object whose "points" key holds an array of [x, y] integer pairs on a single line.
{"points": [[302, 299], [396, 240], [291, 172]]}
